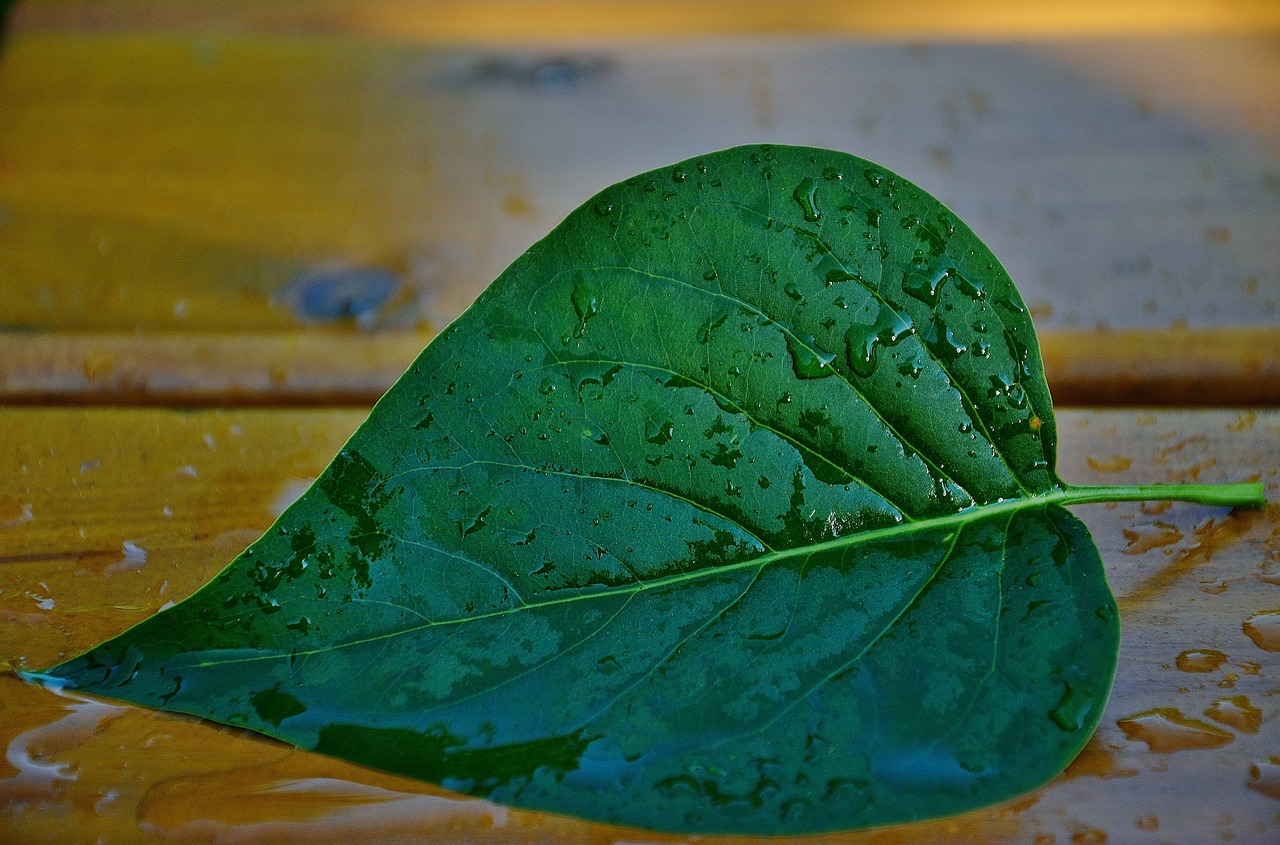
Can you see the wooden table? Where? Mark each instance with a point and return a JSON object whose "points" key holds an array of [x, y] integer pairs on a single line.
{"points": [[225, 230]]}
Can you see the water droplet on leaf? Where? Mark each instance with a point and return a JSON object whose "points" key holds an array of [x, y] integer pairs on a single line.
{"points": [[927, 289], [1072, 713], [586, 304], [659, 433], [807, 359], [805, 196], [942, 342], [972, 288], [861, 343]]}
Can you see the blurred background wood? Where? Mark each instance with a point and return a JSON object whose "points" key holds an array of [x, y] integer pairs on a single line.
{"points": [[210, 206], [462, 20], [177, 170]]}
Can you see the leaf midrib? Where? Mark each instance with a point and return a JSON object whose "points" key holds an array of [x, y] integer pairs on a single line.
{"points": [[959, 519]]}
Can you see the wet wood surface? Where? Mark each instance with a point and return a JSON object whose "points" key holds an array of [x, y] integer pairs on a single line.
{"points": [[107, 515], [225, 228]]}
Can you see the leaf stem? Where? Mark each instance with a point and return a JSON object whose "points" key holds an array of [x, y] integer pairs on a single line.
{"points": [[1246, 494]]}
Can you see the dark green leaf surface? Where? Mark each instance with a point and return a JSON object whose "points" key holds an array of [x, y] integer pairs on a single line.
{"points": [[730, 506]]}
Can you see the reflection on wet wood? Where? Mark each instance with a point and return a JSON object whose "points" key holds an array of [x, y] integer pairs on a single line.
{"points": [[106, 514]]}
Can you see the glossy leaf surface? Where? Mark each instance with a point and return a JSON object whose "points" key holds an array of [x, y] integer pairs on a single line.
{"points": [[730, 506]]}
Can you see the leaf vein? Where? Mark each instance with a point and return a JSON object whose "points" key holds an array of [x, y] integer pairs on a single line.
{"points": [[794, 442], [960, 519], [800, 342], [601, 478]]}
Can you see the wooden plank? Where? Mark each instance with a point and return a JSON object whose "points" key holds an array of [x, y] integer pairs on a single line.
{"points": [[1177, 367], [460, 20], [205, 369], [107, 514], [183, 182], [187, 491]]}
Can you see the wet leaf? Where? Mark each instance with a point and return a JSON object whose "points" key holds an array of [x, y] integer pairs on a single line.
{"points": [[730, 506]]}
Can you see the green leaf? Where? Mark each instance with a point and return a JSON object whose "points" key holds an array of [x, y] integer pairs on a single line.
{"points": [[729, 507]]}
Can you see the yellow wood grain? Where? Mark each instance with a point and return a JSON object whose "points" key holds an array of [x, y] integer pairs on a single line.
{"points": [[185, 491], [84, 492], [146, 185], [178, 183], [463, 21], [176, 186]]}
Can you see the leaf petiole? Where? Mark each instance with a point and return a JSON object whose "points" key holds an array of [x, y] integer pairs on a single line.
{"points": [[1244, 494]]}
